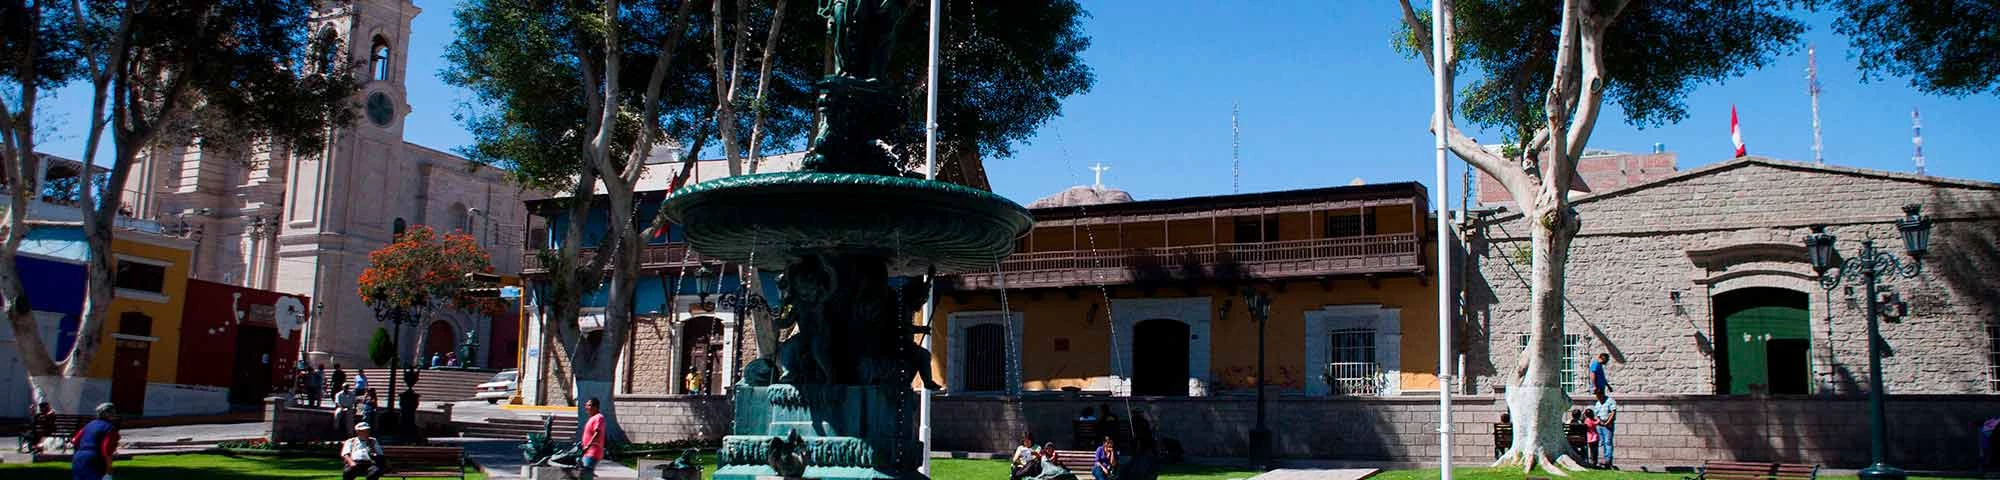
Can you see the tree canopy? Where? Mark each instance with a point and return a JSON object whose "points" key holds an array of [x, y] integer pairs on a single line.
{"points": [[1945, 48], [1008, 65], [423, 269]]}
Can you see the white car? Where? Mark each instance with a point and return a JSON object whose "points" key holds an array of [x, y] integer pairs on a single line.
{"points": [[499, 388]]}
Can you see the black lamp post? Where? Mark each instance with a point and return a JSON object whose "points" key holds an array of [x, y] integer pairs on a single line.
{"points": [[1867, 268], [396, 317], [1259, 305], [743, 302]]}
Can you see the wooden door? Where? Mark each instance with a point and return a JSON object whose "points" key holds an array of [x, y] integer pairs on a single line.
{"points": [[128, 376], [1160, 358]]}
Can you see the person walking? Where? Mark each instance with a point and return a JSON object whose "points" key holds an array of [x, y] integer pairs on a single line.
{"points": [[1606, 411], [95, 445], [1598, 379], [362, 455], [316, 386], [360, 382], [592, 440]]}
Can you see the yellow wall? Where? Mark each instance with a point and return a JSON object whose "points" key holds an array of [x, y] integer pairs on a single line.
{"points": [[1082, 320], [164, 356]]}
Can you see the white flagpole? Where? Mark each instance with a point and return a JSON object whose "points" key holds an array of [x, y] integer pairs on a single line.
{"points": [[930, 173], [1441, 87]]}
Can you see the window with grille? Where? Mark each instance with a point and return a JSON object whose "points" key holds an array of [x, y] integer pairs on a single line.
{"points": [[1993, 355], [1349, 225], [1572, 358], [1352, 369], [1257, 228], [986, 358], [141, 277]]}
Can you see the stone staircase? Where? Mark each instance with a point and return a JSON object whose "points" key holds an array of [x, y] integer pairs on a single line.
{"points": [[518, 427], [432, 385]]}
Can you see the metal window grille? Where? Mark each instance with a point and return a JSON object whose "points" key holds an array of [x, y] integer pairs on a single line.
{"points": [[1993, 355], [1572, 361], [1352, 370]]}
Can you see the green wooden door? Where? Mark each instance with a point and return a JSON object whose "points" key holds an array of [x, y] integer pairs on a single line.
{"points": [[1751, 333]]}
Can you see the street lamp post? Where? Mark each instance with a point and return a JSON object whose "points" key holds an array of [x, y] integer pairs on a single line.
{"points": [[396, 317], [1867, 268], [1259, 305]]}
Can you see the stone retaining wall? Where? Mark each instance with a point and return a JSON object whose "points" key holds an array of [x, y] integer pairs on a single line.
{"points": [[1927, 431], [666, 418], [285, 423]]}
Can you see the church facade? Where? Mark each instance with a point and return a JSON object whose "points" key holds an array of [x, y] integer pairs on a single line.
{"points": [[261, 217]]}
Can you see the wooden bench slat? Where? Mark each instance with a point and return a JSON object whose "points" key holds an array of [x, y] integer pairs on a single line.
{"points": [[1736, 470]]}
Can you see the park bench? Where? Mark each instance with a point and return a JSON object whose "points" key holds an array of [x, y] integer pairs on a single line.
{"points": [[425, 462], [1503, 438], [1077, 461], [1726, 470]]}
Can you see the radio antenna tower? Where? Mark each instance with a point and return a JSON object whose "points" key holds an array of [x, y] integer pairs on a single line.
{"points": [[1235, 151], [1917, 137], [1812, 88]]}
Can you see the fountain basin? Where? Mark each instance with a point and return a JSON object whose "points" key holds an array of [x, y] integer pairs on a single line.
{"points": [[770, 220]]}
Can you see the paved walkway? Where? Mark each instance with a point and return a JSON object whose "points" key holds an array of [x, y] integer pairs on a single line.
{"points": [[502, 458], [186, 434], [1316, 474]]}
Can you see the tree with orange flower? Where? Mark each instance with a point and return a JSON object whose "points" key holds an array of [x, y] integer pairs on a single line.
{"points": [[423, 272]]}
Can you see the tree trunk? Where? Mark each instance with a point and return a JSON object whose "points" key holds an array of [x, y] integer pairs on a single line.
{"points": [[1539, 400], [595, 359]]}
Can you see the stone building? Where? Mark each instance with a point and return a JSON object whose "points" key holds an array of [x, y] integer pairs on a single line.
{"points": [[304, 224], [688, 337], [1698, 283]]}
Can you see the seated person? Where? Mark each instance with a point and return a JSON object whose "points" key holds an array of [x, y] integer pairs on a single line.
{"points": [[1049, 469], [1026, 461]]}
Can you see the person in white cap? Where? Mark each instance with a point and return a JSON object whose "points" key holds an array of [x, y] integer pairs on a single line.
{"points": [[363, 455]]}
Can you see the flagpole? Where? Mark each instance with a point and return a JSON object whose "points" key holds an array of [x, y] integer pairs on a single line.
{"points": [[1441, 89], [930, 173]]}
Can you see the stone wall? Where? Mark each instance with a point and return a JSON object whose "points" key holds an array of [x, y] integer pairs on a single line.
{"points": [[666, 418], [1649, 261], [284, 423], [1927, 431]]}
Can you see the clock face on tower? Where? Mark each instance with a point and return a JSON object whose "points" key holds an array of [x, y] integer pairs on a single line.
{"points": [[379, 109]]}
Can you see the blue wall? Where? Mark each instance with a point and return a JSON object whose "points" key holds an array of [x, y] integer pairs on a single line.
{"points": [[54, 286], [593, 232]]}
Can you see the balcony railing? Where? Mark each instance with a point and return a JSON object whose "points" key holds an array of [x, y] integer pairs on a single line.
{"points": [[655, 256], [1265, 260]]}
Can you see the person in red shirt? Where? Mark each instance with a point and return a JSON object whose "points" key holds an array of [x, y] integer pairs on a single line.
{"points": [[592, 440]]}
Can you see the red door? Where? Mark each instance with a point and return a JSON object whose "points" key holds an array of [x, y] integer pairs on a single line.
{"points": [[128, 377]]}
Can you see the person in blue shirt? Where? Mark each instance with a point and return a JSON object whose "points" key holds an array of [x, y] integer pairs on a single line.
{"points": [[1598, 380], [1106, 465], [95, 445]]}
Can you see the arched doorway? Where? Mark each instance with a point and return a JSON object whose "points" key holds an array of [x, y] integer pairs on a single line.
{"points": [[700, 355], [439, 340], [1764, 341], [1160, 358]]}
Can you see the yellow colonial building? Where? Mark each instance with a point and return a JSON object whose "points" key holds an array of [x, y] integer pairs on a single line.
{"points": [[1146, 298]]}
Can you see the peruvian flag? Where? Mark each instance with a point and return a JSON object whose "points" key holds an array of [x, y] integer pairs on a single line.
{"points": [[1735, 131]]}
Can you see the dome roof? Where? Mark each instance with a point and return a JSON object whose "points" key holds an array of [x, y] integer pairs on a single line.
{"points": [[1082, 195]]}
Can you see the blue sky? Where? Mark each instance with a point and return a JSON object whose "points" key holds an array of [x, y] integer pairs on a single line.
{"points": [[1324, 100]]}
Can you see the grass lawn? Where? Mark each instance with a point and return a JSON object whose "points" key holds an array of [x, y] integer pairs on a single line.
{"points": [[201, 466], [1515, 474], [967, 469]]}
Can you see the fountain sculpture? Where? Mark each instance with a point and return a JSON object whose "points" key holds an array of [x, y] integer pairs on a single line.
{"points": [[835, 401]]}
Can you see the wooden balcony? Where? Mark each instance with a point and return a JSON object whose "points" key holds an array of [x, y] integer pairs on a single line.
{"points": [[1396, 252], [671, 255]]}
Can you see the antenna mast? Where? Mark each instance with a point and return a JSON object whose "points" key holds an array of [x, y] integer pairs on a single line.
{"points": [[1917, 137], [1812, 87], [1235, 151]]}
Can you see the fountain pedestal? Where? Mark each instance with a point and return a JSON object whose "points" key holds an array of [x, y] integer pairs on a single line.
{"points": [[850, 432]]}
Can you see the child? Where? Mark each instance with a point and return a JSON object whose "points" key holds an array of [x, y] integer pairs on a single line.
{"points": [[1590, 434]]}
